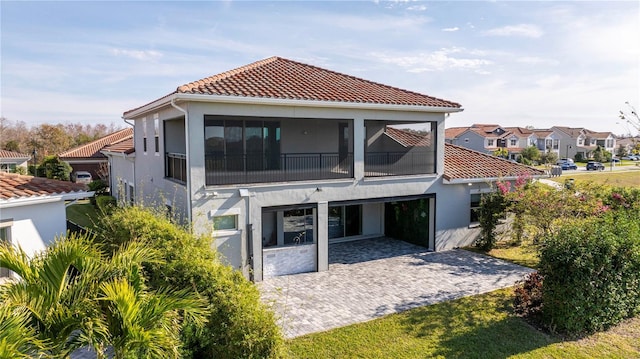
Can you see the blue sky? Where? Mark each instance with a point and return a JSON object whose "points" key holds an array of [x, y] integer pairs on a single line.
{"points": [[512, 63]]}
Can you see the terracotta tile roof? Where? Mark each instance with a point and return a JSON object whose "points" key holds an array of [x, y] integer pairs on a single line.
{"points": [[453, 132], [573, 132], [542, 133], [11, 154], [92, 149], [13, 186], [125, 146], [280, 78], [519, 131], [408, 139], [600, 135], [463, 164]]}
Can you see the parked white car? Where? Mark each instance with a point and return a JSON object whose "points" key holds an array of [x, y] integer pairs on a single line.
{"points": [[81, 177]]}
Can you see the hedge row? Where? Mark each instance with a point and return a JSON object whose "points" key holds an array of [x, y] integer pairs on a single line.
{"points": [[239, 325], [591, 271]]}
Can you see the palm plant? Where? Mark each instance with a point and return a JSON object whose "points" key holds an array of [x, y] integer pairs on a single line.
{"points": [[65, 292], [17, 338]]}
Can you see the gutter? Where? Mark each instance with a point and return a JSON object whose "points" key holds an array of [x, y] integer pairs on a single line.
{"points": [[282, 102], [187, 159], [27, 201], [485, 179]]}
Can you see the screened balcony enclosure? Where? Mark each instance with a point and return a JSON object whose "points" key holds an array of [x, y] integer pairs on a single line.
{"points": [[258, 149], [394, 149]]}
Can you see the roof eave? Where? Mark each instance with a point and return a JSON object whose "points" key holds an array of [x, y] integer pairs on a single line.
{"points": [[164, 101], [485, 179], [39, 199]]}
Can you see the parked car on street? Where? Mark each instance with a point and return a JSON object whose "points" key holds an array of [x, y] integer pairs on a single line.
{"points": [[568, 166], [595, 166], [632, 157]]}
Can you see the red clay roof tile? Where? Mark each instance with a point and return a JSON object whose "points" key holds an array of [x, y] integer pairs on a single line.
{"points": [[13, 186], [462, 163], [281, 78], [92, 149], [11, 154]]}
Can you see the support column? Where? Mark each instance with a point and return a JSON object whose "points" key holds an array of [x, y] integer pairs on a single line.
{"points": [[359, 135], [323, 236]]}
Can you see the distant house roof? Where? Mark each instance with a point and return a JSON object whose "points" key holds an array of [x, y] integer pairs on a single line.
{"points": [[598, 135], [279, 78], [92, 149], [453, 132], [4, 154], [542, 132], [125, 147], [14, 186], [573, 132], [519, 131], [465, 165], [408, 139]]}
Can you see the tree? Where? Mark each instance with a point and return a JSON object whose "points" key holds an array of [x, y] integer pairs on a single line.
{"points": [[501, 152], [67, 292], [631, 116], [549, 157], [56, 169], [621, 151], [531, 153]]}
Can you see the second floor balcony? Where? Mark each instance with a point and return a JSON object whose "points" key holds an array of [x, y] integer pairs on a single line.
{"points": [[245, 168]]}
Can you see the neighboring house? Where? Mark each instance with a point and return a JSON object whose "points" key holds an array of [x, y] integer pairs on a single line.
{"points": [[32, 210], [10, 160], [121, 157], [578, 140], [484, 138], [517, 139], [629, 144], [88, 156], [279, 159]]}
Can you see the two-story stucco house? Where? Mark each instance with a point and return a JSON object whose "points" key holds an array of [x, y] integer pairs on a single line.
{"points": [[278, 159], [484, 138]]}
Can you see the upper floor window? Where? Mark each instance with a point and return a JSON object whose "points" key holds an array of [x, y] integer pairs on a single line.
{"points": [[556, 144], [513, 142], [610, 143], [580, 141], [491, 142], [156, 132], [144, 135]]}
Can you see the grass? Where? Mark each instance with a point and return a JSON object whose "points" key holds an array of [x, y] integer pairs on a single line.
{"points": [[524, 255], [83, 213], [630, 178], [480, 326]]}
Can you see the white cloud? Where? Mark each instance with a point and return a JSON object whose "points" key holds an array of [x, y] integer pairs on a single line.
{"points": [[439, 60], [524, 30], [142, 55], [417, 8], [534, 60], [451, 29]]}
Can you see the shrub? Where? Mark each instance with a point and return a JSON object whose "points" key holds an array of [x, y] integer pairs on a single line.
{"points": [[492, 207], [240, 325], [579, 157], [528, 297], [106, 204], [591, 270]]}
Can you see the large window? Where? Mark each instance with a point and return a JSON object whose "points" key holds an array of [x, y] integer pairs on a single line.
{"points": [[234, 144], [7, 167], [345, 221], [144, 135], [156, 132]]}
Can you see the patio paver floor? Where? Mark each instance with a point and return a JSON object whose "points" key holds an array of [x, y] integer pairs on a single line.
{"points": [[368, 279]]}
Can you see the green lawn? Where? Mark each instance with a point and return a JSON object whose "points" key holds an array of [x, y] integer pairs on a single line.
{"points": [[83, 213], [480, 326], [630, 178]]}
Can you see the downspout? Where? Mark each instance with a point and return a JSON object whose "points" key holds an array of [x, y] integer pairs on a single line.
{"points": [[187, 159]]}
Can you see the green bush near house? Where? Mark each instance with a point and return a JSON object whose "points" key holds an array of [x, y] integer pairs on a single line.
{"points": [[591, 271], [239, 326], [106, 204]]}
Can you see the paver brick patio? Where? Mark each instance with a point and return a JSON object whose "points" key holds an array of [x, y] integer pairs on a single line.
{"points": [[368, 279]]}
